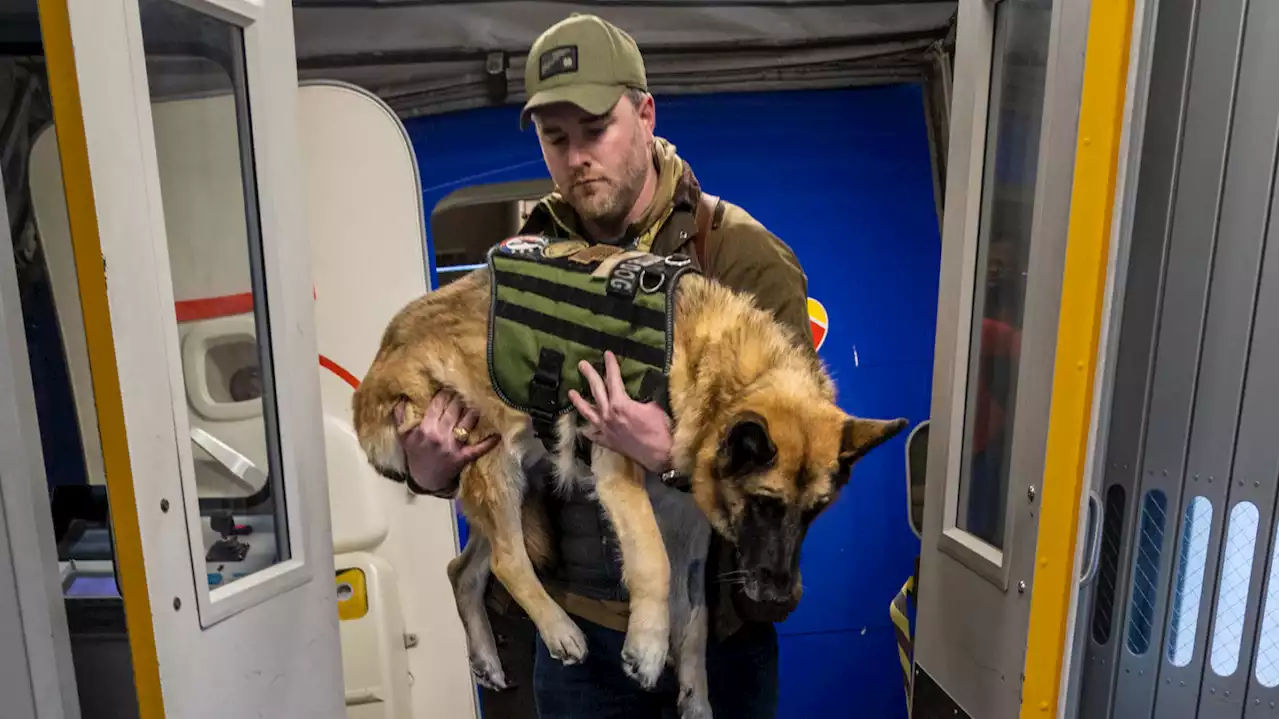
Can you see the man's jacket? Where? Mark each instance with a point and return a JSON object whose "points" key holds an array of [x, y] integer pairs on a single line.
{"points": [[740, 253]]}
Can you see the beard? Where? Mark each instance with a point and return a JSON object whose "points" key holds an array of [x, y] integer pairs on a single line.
{"points": [[607, 201]]}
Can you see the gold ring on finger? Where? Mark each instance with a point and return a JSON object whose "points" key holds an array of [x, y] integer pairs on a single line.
{"points": [[462, 434]]}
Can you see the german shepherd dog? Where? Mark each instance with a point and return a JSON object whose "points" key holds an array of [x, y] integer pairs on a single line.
{"points": [[756, 431]]}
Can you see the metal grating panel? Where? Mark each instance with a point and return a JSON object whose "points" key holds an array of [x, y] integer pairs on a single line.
{"points": [[1185, 613], [1245, 237], [1178, 413], [1233, 589], [1146, 571], [1150, 237], [1219, 208], [1260, 423]]}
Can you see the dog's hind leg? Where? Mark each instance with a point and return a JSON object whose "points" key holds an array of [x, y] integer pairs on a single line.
{"points": [[501, 510], [687, 536], [689, 627], [645, 567], [469, 574]]}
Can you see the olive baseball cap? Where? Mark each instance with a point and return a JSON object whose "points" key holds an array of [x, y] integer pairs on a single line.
{"points": [[583, 60]]}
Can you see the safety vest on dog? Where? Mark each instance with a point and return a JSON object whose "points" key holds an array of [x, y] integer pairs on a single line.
{"points": [[558, 302]]}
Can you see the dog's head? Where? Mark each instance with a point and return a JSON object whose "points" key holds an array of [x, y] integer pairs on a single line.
{"points": [[778, 462]]}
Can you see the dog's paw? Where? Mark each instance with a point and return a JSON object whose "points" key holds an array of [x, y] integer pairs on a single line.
{"points": [[566, 642], [488, 673], [694, 705], [644, 656]]}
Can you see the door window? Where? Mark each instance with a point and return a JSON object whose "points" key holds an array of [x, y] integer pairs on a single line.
{"points": [[1233, 589], [1197, 523], [1017, 94], [1146, 571], [204, 150]]}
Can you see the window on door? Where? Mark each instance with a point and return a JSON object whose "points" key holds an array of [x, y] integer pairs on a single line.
{"points": [[197, 77], [1017, 95]]}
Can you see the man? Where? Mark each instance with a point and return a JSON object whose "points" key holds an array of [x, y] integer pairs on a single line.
{"points": [[617, 183]]}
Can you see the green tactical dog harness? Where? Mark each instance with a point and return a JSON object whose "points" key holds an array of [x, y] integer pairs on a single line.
{"points": [[556, 303]]}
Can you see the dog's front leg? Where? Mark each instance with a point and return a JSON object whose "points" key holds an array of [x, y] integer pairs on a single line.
{"points": [[469, 574], [645, 567], [511, 563], [689, 627], [687, 536]]}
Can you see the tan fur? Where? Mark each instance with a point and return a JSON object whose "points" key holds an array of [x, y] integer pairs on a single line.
{"points": [[735, 358], [729, 358]]}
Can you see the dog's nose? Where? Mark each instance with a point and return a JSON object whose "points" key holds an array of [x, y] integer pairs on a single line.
{"points": [[778, 579]]}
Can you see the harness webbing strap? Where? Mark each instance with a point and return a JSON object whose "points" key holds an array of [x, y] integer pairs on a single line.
{"points": [[544, 395], [653, 388], [601, 304], [708, 208], [578, 333]]}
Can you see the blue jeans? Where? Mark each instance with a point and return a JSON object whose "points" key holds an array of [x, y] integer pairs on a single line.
{"points": [[742, 677]]}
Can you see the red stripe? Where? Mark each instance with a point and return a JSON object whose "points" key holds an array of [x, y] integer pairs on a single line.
{"points": [[207, 308], [342, 373], [210, 307]]}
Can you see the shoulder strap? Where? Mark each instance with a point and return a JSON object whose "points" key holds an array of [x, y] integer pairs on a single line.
{"points": [[707, 207]]}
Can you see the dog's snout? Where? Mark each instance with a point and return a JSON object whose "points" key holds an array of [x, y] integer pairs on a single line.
{"points": [[773, 584], [777, 578]]}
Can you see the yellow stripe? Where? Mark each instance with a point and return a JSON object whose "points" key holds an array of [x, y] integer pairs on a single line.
{"points": [[73, 150], [899, 619], [1079, 319]]}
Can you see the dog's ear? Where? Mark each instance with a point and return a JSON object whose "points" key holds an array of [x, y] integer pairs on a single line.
{"points": [[746, 446], [859, 436]]}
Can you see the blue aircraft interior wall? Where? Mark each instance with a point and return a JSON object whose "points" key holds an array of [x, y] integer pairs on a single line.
{"points": [[844, 177]]}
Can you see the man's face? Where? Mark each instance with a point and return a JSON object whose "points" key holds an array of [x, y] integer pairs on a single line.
{"points": [[599, 163]]}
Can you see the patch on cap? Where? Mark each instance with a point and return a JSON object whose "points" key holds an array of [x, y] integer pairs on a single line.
{"points": [[558, 61]]}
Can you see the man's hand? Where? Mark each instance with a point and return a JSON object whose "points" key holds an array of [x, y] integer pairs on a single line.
{"points": [[434, 454], [639, 431]]}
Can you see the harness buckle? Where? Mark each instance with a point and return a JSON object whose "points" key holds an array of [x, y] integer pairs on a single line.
{"points": [[544, 395], [647, 282]]}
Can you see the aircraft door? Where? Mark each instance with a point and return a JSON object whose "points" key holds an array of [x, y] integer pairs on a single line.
{"points": [[177, 134], [1012, 164]]}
